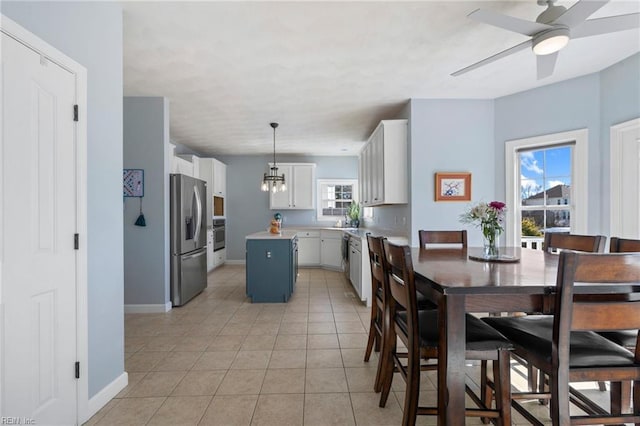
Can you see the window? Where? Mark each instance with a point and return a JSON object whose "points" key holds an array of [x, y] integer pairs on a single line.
{"points": [[546, 184], [545, 189], [335, 196]]}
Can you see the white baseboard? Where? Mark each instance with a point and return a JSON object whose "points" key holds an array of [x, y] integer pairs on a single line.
{"points": [[147, 309], [107, 393], [236, 262]]}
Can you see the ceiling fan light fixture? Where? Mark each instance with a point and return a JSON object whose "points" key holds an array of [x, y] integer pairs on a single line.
{"points": [[550, 41]]}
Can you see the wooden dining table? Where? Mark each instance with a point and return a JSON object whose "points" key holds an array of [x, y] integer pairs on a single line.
{"points": [[459, 285]]}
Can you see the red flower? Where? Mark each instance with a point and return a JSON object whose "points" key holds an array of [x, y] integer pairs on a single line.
{"points": [[498, 205]]}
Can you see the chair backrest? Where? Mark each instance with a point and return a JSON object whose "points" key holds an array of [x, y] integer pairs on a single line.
{"points": [[624, 245], [376, 259], [583, 243], [597, 312], [402, 290], [442, 237]]}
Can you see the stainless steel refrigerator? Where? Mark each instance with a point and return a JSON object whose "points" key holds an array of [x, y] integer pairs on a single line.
{"points": [[188, 238]]}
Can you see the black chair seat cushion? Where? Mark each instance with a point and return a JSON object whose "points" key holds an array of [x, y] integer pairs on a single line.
{"points": [[480, 336], [534, 333], [626, 338]]}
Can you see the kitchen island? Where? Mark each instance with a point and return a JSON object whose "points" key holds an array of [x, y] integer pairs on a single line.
{"points": [[272, 266]]}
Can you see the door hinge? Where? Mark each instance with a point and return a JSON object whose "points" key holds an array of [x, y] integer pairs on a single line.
{"points": [[77, 369], [76, 241], [75, 113]]}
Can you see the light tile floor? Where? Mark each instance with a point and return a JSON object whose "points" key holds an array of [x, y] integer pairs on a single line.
{"points": [[221, 360]]}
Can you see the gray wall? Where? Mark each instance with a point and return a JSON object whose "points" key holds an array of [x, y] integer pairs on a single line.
{"points": [[146, 249], [595, 101], [449, 136], [568, 105], [248, 207], [91, 34], [620, 102]]}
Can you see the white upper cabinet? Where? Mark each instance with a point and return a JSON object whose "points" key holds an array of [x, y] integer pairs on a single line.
{"points": [[181, 166], [383, 165], [219, 178], [195, 165], [300, 181]]}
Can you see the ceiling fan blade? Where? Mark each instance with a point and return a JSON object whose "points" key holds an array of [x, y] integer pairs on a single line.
{"points": [[546, 64], [579, 12], [509, 51], [610, 24], [510, 23]]}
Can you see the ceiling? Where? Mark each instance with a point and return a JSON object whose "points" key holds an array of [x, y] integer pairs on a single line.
{"points": [[328, 72]]}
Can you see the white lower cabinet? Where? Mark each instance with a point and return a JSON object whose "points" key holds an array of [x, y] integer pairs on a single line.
{"points": [[331, 249], [219, 257], [309, 248]]}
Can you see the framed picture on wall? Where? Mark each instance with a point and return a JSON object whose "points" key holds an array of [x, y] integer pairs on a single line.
{"points": [[133, 183], [453, 186]]}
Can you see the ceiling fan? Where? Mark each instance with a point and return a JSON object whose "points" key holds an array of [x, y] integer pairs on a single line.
{"points": [[552, 30]]}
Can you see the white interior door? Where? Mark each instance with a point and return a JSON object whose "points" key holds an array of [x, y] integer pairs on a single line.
{"points": [[625, 180], [38, 260]]}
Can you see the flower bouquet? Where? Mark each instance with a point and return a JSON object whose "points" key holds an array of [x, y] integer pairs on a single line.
{"points": [[489, 217]]}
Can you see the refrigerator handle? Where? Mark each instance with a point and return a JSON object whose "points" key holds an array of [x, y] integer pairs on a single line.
{"points": [[191, 256], [196, 234]]}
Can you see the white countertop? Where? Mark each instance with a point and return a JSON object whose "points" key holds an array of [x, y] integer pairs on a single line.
{"points": [[393, 236], [285, 234]]}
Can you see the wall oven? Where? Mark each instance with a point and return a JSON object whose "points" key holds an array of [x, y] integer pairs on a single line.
{"points": [[218, 234]]}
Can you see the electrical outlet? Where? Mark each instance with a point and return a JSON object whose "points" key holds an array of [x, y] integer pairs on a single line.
{"points": [[404, 220]]}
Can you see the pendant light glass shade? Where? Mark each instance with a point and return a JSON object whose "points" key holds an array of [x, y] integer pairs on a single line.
{"points": [[273, 180]]}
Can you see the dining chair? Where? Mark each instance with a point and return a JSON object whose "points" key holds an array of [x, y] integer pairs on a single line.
{"points": [[442, 237], [376, 323], [554, 241], [626, 338], [377, 306], [566, 346], [418, 330]]}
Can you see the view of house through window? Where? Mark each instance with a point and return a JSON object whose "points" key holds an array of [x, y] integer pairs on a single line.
{"points": [[545, 190], [335, 196]]}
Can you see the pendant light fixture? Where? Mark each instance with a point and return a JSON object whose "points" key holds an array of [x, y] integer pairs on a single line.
{"points": [[273, 180]]}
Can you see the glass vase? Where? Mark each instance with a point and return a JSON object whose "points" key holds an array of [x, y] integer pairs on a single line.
{"points": [[490, 239]]}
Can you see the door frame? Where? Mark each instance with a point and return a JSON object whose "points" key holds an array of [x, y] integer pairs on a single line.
{"points": [[616, 139], [31, 41]]}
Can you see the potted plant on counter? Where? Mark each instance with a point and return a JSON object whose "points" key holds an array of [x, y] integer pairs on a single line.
{"points": [[353, 212]]}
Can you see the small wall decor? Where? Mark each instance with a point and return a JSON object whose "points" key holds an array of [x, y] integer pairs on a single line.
{"points": [[453, 186], [133, 183]]}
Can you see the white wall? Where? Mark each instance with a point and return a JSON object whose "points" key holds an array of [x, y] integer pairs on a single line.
{"points": [[91, 34]]}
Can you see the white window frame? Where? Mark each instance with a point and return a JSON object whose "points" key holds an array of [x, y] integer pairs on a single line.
{"points": [[579, 179], [320, 182]]}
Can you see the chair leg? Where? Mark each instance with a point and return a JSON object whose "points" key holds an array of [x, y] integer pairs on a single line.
{"points": [[559, 406], [636, 398], [502, 383], [485, 391], [532, 376], [412, 391], [620, 397], [386, 365], [602, 386], [372, 333], [625, 397], [542, 387]]}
